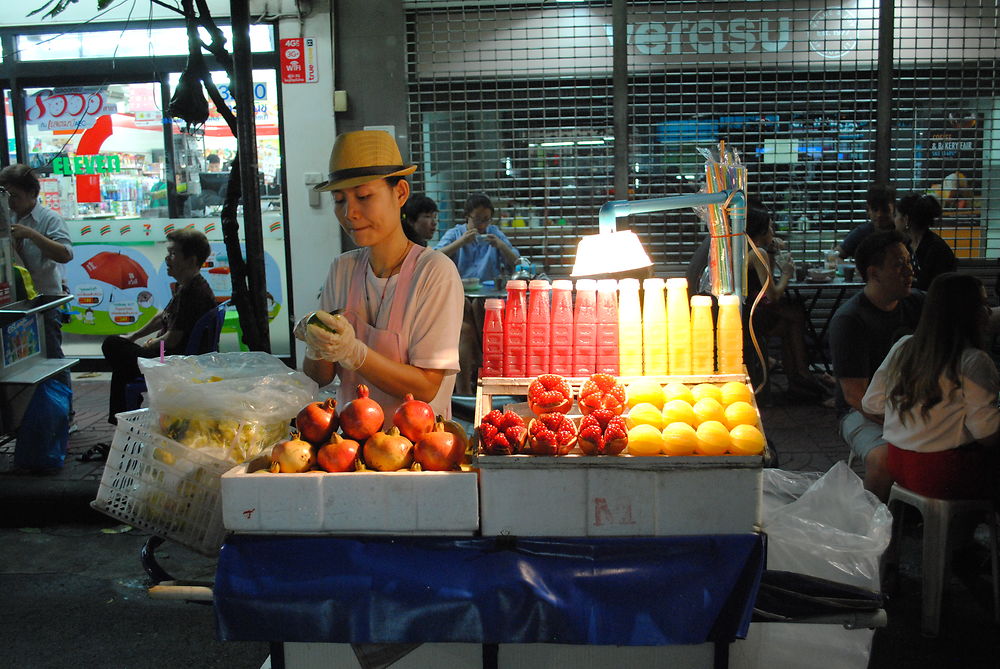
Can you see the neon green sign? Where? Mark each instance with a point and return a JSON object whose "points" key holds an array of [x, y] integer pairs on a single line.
{"points": [[86, 165]]}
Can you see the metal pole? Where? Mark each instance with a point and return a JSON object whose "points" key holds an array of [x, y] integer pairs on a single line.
{"points": [[883, 110], [619, 24], [247, 145]]}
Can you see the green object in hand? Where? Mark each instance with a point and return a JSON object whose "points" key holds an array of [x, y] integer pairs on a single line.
{"points": [[315, 320]]}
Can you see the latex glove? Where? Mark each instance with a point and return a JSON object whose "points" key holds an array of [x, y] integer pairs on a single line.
{"points": [[340, 346]]}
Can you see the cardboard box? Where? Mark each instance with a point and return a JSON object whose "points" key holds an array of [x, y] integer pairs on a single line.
{"points": [[437, 503]]}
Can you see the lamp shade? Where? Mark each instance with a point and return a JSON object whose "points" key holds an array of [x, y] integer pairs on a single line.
{"points": [[608, 253]]}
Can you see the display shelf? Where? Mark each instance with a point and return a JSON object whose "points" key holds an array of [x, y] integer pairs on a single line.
{"points": [[37, 371], [34, 305]]}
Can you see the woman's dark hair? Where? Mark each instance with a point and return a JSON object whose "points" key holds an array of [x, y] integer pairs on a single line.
{"points": [[20, 176], [417, 205], [758, 221], [949, 323], [477, 200], [871, 251], [920, 209], [191, 242]]}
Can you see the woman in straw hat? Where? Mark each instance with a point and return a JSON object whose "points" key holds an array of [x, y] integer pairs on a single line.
{"points": [[392, 309]]}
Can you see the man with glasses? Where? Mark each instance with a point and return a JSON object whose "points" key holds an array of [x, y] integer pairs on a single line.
{"points": [[479, 248], [861, 334]]}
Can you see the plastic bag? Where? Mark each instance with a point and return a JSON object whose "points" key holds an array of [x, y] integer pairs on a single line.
{"points": [[44, 430], [835, 529], [235, 404]]}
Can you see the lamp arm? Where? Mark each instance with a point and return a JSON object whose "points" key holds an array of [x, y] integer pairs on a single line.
{"points": [[618, 208]]}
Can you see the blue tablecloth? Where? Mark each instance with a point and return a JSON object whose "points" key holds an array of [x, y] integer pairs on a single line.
{"points": [[601, 591]]}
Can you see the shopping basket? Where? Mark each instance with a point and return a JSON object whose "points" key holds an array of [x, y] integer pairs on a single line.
{"points": [[161, 486]]}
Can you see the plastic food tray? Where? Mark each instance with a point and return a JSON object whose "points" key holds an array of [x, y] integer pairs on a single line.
{"points": [[159, 485]]}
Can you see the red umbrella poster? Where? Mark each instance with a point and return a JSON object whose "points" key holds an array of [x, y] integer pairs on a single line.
{"points": [[116, 269]]}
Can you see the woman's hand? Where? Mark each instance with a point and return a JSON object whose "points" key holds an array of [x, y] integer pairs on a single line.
{"points": [[339, 345]]}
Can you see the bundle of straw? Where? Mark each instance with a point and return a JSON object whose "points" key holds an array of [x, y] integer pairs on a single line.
{"points": [[726, 224]]}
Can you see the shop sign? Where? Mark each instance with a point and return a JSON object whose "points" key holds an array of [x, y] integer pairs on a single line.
{"points": [[67, 108], [69, 166], [298, 60]]}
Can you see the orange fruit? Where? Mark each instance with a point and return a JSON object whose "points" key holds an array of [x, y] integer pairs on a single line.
{"points": [[644, 440], [734, 391], [703, 390], [740, 413], [708, 409], [679, 439], [677, 391], [678, 411], [746, 440], [644, 391], [713, 438], [645, 414]]}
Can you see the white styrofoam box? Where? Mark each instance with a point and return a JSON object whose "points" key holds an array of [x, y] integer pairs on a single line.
{"points": [[369, 502], [578, 495]]}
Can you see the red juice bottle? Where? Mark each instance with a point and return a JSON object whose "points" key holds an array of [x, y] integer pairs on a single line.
{"points": [[539, 323], [561, 338], [515, 335], [607, 326], [493, 336], [585, 328]]}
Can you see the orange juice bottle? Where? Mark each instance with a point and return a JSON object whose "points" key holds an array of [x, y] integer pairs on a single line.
{"points": [[629, 328], [654, 328], [702, 336], [729, 335], [678, 327]]}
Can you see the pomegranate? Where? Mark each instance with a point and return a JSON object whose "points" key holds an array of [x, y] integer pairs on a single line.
{"points": [[338, 454], [502, 433], [317, 421], [602, 432], [292, 456], [362, 417], [439, 450], [456, 429], [413, 418], [551, 434], [388, 451], [602, 391], [550, 393]]}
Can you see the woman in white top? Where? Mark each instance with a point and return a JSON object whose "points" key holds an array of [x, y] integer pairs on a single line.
{"points": [[938, 390], [395, 307]]}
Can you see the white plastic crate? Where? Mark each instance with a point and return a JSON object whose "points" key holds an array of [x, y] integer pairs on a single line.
{"points": [[156, 484], [369, 502]]}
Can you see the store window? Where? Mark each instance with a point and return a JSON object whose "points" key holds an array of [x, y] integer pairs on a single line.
{"points": [[9, 120]]}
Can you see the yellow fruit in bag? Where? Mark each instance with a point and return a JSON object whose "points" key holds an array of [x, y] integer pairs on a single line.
{"points": [[645, 414]]}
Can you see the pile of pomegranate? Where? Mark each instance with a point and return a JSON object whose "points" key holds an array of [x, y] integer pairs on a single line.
{"points": [[601, 430], [418, 440]]}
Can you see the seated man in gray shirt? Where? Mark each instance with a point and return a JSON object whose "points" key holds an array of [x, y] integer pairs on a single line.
{"points": [[861, 334]]}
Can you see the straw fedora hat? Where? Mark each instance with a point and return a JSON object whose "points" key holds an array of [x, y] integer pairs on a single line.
{"points": [[362, 156]]}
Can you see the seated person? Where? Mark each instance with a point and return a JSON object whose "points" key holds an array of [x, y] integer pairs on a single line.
{"points": [[187, 250], [880, 204], [479, 248], [776, 314], [861, 333], [937, 390], [932, 256], [420, 216]]}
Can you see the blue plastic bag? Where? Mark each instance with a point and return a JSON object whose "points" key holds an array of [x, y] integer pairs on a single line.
{"points": [[44, 430]]}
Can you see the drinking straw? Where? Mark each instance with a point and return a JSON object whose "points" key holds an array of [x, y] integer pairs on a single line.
{"points": [[161, 350]]}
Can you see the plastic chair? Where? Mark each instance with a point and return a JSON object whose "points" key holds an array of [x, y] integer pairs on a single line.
{"points": [[204, 338], [936, 559]]}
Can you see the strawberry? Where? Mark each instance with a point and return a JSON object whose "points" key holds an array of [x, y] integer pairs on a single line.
{"points": [[551, 434], [603, 432], [602, 391], [502, 433], [550, 393]]}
